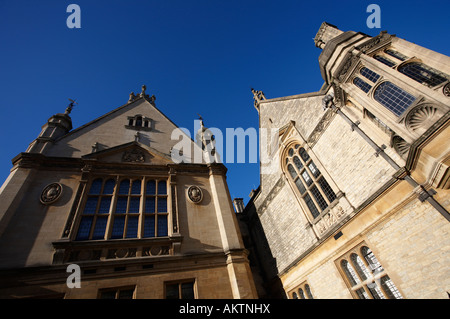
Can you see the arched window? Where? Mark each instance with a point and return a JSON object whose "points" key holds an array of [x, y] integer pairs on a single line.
{"points": [[369, 74], [308, 292], [363, 85], [138, 121], [396, 54], [350, 273], [393, 98], [312, 186], [366, 276], [384, 60], [423, 74], [301, 293]]}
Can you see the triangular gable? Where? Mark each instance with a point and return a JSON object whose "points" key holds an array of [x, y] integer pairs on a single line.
{"points": [[113, 129]]}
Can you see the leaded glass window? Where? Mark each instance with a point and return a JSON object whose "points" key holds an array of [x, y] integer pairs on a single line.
{"points": [[369, 74], [423, 74], [396, 54], [135, 208], [384, 60], [302, 292], [308, 180], [366, 277], [393, 98], [363, 85], [94, 216]]}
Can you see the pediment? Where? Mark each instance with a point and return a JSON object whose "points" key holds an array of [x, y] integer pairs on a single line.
{"points": [[130, 153]]}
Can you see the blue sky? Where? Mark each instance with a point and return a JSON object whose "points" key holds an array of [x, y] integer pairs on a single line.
{"points": [[194, 56]]}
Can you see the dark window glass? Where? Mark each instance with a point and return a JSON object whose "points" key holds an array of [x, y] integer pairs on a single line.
{"points": [[132, 227], [384, 60], [151, 187], [109, 187], [136, 187], [311, 206], [162, 187], [96, 186], [85, 228], [393, 98], [396, 54], [423, 74], [100, 227], [91, 205], [369, 74], [364, 86], [319, 198], [149, 226], [124, 187], [329, 193], [162, 225], [117, 231]]}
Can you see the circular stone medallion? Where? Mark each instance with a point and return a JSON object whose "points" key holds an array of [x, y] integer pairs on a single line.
{"points": [[195, 194], [51, 193]]}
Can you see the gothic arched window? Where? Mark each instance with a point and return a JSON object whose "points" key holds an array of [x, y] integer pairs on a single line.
{"points": [[393, 98], [309, 181], [423, 73]]}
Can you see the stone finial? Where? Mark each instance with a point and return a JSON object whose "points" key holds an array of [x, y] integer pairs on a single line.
{"points": [[70, 106], [132, 97], [326, 32], [143, 90], [258, 96], [95, 147]]}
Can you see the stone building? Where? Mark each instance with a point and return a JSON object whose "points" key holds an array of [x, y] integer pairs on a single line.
{"points": [[105, 206], [356, 204]]}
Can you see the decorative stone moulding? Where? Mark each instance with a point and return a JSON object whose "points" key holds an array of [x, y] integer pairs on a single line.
{"points": [[195, 194], [446, 90], [51, 193], [422, 117]]}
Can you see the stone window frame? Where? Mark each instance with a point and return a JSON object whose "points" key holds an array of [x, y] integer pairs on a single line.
{"points": [[111, 215], [365, 276], [380, 79], [394, 59], [180, 282], [302, 291], [116, 291], [322, 174], [140, 122]]}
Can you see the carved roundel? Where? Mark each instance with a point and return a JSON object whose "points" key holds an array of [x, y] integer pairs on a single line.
{"points": [[446, 90], [195, 194], [422, 117], [51, 193]]}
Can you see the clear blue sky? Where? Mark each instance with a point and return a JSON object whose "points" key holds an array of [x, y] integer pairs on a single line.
{"points": [[194, 56]]}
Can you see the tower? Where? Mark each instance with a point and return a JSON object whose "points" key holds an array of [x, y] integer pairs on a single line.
{"points": [[360, 199]]}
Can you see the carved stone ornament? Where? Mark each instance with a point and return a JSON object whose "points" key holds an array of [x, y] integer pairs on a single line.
{"points": [[422, 117], [195, 194], [446, 90], [51, 193], [134, 156]]}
